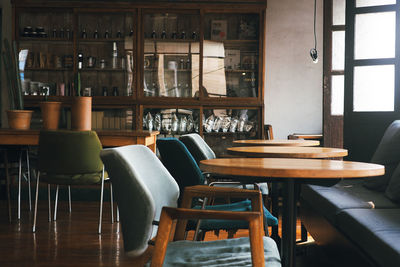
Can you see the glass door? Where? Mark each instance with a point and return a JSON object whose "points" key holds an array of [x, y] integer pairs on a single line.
{"points": [[231, 55], [171, 54]]}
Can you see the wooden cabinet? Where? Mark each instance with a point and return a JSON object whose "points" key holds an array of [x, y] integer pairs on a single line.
{"points": [[173, 66]]}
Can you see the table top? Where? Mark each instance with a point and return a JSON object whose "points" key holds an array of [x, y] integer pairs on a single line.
{"points": [[277, 142], [107, 137], [287, 152], [291, 168]]}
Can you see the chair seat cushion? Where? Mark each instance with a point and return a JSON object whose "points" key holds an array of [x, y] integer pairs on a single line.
{"points": [[72, 179], [376, 231], [226, 252], [347, 194], [244, 205]]}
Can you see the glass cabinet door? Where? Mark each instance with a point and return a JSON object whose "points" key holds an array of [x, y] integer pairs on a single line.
{"points": [[46, 51], [171, 55], [231, 55], [105, 53]]}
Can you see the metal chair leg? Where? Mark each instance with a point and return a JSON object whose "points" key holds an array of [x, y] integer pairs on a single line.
{"points": [[19, 184], [111, 203], [29, 179], [48, 197], [36, 202], [69, 199], [117, 214], [55, 204], [7, 183], [101, 200]]}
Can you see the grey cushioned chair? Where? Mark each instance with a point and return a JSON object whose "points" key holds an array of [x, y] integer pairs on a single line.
{"points": [[146, 192]]}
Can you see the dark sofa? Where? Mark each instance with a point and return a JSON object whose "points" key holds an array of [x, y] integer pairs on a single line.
{"points": [[360, 218]]}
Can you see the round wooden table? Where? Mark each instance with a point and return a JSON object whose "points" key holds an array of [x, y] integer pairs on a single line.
{"points": [[287, 152], [292, 173], [277, 142]]}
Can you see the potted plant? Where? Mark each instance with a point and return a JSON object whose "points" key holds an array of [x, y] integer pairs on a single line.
{"points": [[50, 111], [81, 109], [18, 118]]}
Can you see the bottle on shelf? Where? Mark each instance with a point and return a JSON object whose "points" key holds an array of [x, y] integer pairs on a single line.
{"points": [[84, 34], [95, 34], [105, 91], [114, 56], [119, 34], [163, 34], [80, 60], [106, 34], [115, 91]]}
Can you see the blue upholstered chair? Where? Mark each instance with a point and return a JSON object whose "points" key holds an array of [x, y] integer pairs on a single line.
{"points": [[202, 151], [182, 166], [70, 158], [147, 196]]}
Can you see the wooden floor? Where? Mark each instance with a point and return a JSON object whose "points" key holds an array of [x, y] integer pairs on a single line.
{"points": [[72, 240]]}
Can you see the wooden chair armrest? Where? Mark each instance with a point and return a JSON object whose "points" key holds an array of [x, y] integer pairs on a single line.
{"points": [[213, 192], [169, 214]]}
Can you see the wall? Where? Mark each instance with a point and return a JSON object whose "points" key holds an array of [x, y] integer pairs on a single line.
{"points": [[5, 33], [293, 91]]}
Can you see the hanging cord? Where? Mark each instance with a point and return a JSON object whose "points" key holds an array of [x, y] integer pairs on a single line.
{"points": [[313, 51]]}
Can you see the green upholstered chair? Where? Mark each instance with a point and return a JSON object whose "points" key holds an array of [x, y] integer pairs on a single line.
{"points": [[147, 197], [70, 158]]}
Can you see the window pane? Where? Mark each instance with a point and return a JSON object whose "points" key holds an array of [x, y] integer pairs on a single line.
{"points": [[337, 95], [375, 35], [374, 88], [363, 3], [338, 50], [339, 12]]}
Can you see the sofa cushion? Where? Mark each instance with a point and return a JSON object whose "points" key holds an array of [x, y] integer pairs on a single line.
{"points": [[375, 231], [347, 194], [393, 188], [388, 154]]}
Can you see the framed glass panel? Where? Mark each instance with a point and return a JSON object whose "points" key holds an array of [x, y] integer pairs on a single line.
{"points": [[105, 53], [338, 38], [373, 88], [337, 95], [230, 55], [365, 3], [46, 41], [375, 35], [171, 55], [338, 12]]}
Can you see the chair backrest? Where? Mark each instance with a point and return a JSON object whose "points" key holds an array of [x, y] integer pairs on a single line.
{"points": [[69, 152], [142, 186], [197, 147], [179, 162], [268, 132]]}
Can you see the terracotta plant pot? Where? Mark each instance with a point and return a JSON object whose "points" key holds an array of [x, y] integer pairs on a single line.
{"points": [[81, 113], [50, 114], [19, 119]]}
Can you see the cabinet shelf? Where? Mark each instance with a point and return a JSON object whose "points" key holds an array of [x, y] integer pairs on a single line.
{"points": [[239, 70], [100, 69], [48, 69], [46, 39], [100, 40]]}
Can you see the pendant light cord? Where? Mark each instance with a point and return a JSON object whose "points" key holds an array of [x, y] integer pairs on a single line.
{"points": [[313, 51]]}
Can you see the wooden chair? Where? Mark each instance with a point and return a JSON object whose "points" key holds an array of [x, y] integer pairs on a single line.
{"points": [[268, 132], [147, 199]]}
